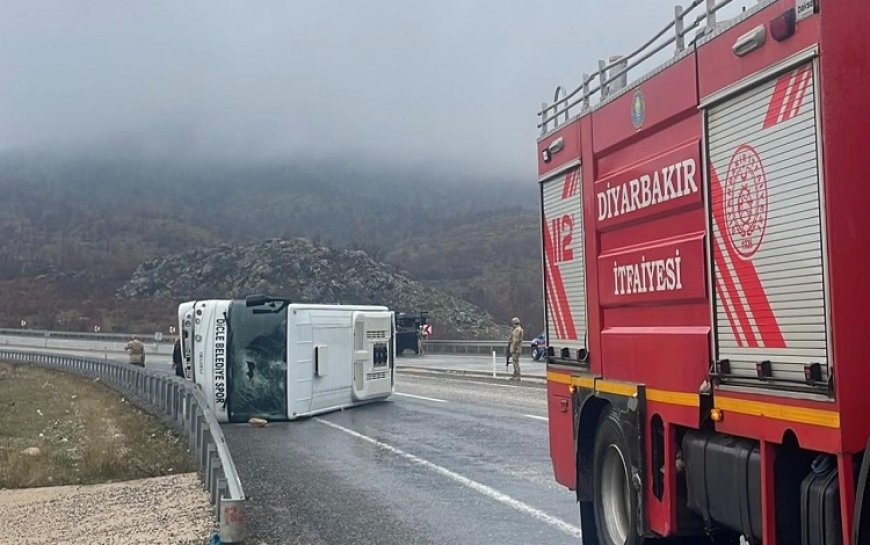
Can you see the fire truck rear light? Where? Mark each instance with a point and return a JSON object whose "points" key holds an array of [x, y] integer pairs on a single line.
{"points": [[783, 27], [750, 41], [763, 369], [813, 373]]}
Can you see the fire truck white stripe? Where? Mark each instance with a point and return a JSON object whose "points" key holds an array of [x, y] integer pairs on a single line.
{"points": [[492, 493], [738, 287], [730, 314], [552, 304], [786, 100], [728, 297], [800, 90]]}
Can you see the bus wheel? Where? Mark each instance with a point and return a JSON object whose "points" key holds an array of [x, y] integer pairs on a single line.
{"points": [[615, 500]]}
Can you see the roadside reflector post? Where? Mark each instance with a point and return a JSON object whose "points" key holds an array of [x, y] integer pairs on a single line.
{"points": [[493, 364], [232, 521]]}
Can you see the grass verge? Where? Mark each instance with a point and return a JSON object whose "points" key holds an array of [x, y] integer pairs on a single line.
{"points": [[85, 433]]}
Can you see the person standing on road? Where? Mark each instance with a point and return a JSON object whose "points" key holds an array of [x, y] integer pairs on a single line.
{"points": [[516, 346], [176, 358], [137, 352]]}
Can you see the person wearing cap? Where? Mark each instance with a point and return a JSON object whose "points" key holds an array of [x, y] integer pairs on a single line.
{"points": [[137, 352], [516, 346]]}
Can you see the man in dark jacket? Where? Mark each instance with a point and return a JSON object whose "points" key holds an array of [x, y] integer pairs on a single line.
{"points": [[176, 358]]}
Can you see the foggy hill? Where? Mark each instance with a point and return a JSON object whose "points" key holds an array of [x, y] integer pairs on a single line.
{"points": [[305, 273], [494, 262], [74, 227]]}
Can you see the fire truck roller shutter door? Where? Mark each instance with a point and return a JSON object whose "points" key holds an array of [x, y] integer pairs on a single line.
{"points": [[564, 266], [767, 243]]}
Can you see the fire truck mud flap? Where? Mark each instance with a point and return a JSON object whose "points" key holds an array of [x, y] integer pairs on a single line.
{"points": [[625, 405]]}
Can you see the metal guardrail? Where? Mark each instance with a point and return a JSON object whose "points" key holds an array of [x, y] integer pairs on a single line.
{"points": [[183, 407], [466, 347], [431, 346], [110, 337], [612, 75]]}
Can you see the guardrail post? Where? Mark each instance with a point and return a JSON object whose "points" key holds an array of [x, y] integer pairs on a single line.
{"points": [[221, 487], [205, 441], [212, 469], [191, 426], [165, 399], [199, 420]]}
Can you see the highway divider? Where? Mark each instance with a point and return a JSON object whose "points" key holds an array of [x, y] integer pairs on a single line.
{"points": [[180, 405]]}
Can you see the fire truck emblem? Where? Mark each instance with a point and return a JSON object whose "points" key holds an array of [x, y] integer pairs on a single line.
{"points": [[638, 109], [746, 201]]}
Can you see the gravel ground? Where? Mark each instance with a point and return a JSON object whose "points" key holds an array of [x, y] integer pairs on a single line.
{"points": [[167, 510]]}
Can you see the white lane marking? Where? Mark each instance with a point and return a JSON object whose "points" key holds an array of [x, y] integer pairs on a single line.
{"points": [[536, 417], [422, 397], [569, 529]]}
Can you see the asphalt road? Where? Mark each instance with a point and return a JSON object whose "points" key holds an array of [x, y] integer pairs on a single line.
{"points": [[447, 461]]}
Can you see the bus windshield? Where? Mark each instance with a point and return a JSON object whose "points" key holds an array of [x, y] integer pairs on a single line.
{"points": [[257, 363]]}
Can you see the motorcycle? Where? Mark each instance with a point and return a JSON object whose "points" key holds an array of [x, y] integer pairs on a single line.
{"points": [[538, 347]]}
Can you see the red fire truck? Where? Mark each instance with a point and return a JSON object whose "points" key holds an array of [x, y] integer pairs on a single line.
{"points": [[705, 246]]}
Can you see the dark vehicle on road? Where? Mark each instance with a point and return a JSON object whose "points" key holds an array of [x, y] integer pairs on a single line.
{"points": [[409, 331]]}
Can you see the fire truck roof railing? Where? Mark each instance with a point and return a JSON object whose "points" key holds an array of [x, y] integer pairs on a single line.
{"points": [[611, 78]]}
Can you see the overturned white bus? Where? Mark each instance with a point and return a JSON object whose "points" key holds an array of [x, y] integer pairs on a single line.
{"points": [[265, 357]]}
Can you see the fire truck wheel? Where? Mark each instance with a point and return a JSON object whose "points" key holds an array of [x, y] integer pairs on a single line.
{"points": [[615, 504]]}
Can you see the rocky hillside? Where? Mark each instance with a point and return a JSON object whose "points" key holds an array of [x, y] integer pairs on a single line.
{"points": [[304, 272]]}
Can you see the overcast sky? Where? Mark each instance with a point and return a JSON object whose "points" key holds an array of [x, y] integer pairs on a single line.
{"points": [[450, 80]]}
